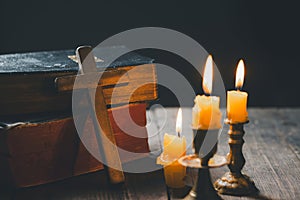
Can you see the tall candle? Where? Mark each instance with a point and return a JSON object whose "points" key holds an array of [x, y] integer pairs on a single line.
{"points": [[206, 111], [236, 99], [174, 148]]}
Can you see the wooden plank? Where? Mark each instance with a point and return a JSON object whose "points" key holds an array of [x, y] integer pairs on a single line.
{"points": [[289, 127], [279, 160], [139, 186], [104, 134], [90, 187], [270, 149], [142, 86], [262, 157], [108, 78], [268, 157]]}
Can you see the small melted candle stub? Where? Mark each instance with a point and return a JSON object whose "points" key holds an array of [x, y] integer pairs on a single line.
{"points": [[174, 148]]}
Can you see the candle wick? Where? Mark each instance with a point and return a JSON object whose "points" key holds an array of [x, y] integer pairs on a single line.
{"points": [[178, 134]]}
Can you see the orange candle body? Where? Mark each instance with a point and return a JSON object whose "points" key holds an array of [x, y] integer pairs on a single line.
{"points": [[206, 113], [174, 148], [237, 106], [174, 175]]}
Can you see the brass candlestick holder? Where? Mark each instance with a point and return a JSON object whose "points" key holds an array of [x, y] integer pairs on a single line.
{"points": [[235, 182], [203, 160]]}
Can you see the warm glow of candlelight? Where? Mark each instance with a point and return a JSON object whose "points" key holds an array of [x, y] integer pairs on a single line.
{"points": [[237, 100], [208, 75], [179, 122], [240, 73]]}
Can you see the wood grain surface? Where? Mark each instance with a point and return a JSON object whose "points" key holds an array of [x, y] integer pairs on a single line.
{"points": [[272, 144]]}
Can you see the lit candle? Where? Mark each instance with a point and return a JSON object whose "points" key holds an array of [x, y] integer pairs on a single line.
{"points": [[174, 148], [206, 111], [236, 99]]}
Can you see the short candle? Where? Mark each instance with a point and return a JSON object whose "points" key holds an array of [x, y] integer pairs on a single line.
{"points": [[174, 148], [236, 99], [206, 111]]}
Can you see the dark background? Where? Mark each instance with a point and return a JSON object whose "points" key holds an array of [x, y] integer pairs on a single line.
{"points": [[264, 33]]}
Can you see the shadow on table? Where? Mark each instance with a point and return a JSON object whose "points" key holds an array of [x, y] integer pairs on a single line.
{"points": [[259, 197], [94, 186]]}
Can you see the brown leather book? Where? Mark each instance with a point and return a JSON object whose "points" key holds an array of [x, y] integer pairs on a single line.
{"points": [[37, 153], [38, 140], [30, 82]]}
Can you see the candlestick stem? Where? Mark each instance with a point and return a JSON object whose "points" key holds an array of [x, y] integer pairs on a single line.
{"points": [[235, 182], [203, 187]]}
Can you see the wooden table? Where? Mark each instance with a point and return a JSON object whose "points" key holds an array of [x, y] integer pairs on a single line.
{"points": [[272, 151]]}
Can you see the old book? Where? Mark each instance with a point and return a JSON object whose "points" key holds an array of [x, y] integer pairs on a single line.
{"points": [[38, 153], [38, 140], [29, 81]]}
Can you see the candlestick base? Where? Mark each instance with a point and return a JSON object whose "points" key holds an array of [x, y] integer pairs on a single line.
{"points": [[232, 184], [203, 187], [177, 193]]}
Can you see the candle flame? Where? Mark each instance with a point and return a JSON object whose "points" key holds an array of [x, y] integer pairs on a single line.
{"points": [[208, 75], [240, 73], [179, 122]]}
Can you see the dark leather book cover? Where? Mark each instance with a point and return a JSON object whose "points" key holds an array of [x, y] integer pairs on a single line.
{"points": [[61, 61]]}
